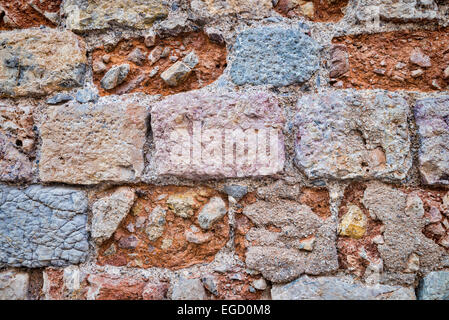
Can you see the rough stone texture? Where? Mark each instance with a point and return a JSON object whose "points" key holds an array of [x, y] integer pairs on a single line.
{"points": [[115, 76], [274, 246], [29, 13], [273, 55], [315, 10], [95, 142], [13, 285], [385, 60], [220, 121], [17, 142], [217, 8], [42, 226], [29, 66], [177, 241], [82, 15], [397, 11], [338, 288], [403, 217], [109, 211], [213, 211], [432, 118], [434, 286], [347, 134], [188, 289]]}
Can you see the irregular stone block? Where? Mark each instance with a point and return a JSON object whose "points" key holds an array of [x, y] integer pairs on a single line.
{"points": [[432, 118], [353, 135], [404, 216], [328, 10], [17, 142], [82, 15], [115, 76], [275, 246], [338, 288], [188, 289], [29, 13], [246, 8], [28, 66], [109, 211], [213, 211], [434, 286], [163, 231], [196, 134], [13, 285], [273, 55], [91, 143], [42, 226], [397, 11]]}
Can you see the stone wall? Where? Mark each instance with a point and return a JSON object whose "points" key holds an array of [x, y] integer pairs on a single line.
{"points": [[224, 149]]}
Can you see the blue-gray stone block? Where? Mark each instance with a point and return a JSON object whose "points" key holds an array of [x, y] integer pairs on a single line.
{"points": [[274, 55], [434, 286], [42, 226]]}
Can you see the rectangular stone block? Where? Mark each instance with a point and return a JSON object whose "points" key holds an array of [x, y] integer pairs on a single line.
{"points": [[273, 55], [82, 15], [201, 135], [353, 135], [94, 142], [17, 142], [42, 226], [246, 8], [35, 62], [432, 118], [338, 288], [401, 11]]}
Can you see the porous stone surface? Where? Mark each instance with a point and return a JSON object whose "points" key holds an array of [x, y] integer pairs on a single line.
{"points": [[82, 15], [42, 226], [217, 8], [13, 285], [109, 211], [94, 142], [338, 288], [29, 67], [404, 217], [348, 134], [219, 123], [434, 286], [432, 118], [17, 142], [273, 55], [273, 243], [188, 289], [398, 11]]}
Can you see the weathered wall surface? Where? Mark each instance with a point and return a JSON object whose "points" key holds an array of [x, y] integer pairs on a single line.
{"points": [[224, 149]]}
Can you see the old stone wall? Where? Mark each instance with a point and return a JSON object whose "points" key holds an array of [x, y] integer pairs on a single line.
{"points": [[224, 149]]}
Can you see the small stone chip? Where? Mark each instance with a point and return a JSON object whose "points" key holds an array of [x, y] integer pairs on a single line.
{"points": [[115, 76], [353, 224], [213, 211]]}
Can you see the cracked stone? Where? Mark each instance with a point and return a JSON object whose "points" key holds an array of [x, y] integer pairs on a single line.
{"points": [[115, 76], [42, 226]]}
